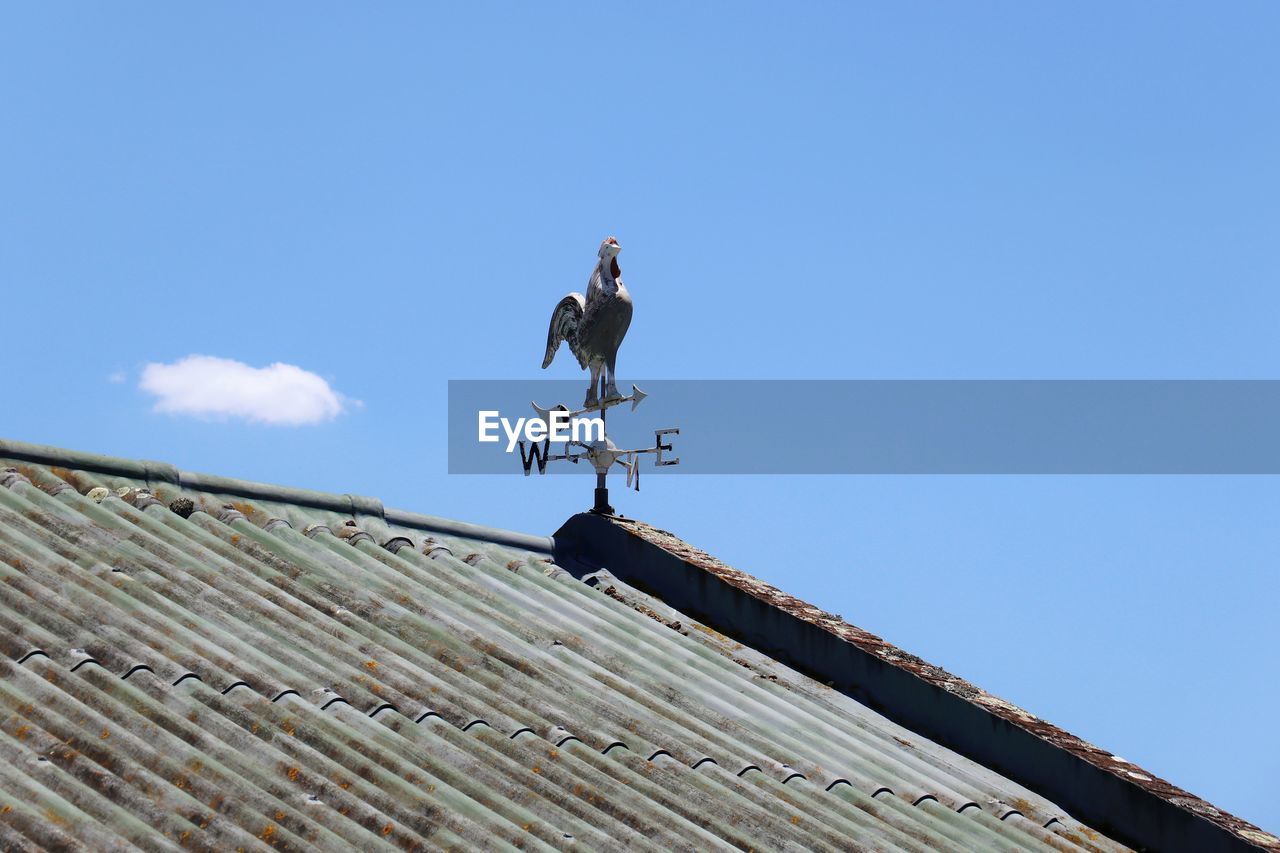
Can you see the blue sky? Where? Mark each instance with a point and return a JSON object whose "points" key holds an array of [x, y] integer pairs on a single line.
{"points": [[391, 198]]}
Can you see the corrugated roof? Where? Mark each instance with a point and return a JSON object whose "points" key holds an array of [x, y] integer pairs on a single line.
{"points": [[273, 667]]}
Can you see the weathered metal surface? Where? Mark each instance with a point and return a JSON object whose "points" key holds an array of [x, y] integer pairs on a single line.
{"points": [[308, 671]]}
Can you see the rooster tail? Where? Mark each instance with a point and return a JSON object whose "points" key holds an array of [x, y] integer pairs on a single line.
{"points": [[565, 320]]}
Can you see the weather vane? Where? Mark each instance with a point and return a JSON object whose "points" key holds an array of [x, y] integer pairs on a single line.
{"points": [[594, 328]]}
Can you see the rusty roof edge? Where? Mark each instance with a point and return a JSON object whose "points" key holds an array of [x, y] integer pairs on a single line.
{"points": [[154, 473], [1098, 788], [467, 530]]}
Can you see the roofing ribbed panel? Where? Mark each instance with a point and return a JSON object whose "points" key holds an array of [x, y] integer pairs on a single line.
{"points": [[238, 673]]}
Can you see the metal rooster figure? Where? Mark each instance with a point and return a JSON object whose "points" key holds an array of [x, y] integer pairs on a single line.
{"points": [[594, 328]]}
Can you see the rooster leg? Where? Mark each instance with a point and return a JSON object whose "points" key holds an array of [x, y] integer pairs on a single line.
{"points": [[593, 399], [610, 383]]}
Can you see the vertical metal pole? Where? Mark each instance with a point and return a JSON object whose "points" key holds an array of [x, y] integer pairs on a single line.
{"points": [[602, 491], [602, 497]]}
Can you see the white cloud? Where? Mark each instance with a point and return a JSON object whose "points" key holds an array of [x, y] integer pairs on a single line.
{"points": [[117, 378], [219, 388]]}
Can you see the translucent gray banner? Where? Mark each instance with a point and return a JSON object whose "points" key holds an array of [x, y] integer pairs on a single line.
{"points": [[903, 427]]}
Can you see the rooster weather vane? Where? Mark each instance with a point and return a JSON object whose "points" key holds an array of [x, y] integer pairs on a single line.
{"points": [[594, 328]]}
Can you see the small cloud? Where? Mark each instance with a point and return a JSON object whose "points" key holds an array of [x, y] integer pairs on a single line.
{"points": [[220, 388], [117, 378]]}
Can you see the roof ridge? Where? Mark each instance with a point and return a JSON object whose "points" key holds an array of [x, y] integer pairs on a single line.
{"points": [[153, 472]]}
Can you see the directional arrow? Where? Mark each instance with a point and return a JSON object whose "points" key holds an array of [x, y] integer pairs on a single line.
{"points": [[544, 415], [634, 398]]}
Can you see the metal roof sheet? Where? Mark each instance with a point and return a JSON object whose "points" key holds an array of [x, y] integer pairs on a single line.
{"points": [[270, 667]]}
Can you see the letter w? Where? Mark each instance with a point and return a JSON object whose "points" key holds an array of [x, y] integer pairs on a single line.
{"points": [[535, 456]]}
